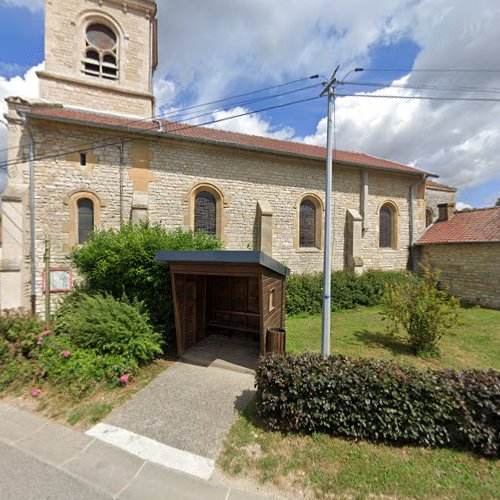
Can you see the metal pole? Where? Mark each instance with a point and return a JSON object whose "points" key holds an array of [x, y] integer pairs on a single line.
{"points": [[327, 263], [47, 278]]}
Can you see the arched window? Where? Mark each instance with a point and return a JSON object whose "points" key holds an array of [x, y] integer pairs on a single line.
{"points": [[387, 218], [205, 213], [307, 224], [429, 217], [101, 52], [85, 219]]}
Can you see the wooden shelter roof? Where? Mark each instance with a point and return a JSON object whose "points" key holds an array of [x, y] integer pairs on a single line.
{"points": [[223, 257]]}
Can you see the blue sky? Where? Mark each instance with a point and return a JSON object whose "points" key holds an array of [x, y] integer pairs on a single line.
{"points": [[209, 50]]}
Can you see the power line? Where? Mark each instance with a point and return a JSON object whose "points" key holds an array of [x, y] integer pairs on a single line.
{"points": [[437, 70], [418, 97], [83, 146], [209, 112], [423, 87], [167, 133]]}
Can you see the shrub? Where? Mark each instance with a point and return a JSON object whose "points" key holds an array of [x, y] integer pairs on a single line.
{"points": [[19, 333], [422, 310], [109, 327], [305, 291], [124, 261], [82, 369], [477, 425], [379, 401]]}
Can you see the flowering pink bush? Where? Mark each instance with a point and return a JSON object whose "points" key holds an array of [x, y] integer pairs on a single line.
{"points": [[40, 341], [125, 378], [46, 333], [36, 393], [66, 354]]}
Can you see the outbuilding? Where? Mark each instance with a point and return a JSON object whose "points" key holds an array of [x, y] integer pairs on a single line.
{"points": [[228, 292]]}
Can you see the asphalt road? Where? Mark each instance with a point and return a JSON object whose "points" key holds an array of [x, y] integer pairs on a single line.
{"points": [[24, 477]]}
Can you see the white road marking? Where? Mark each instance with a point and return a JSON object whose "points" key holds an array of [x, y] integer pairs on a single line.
{"points": [[153, 451]]}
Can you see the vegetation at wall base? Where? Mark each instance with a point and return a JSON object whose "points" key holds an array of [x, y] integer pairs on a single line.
{"points": [[118, 261], [380, 401], [304, 292]]}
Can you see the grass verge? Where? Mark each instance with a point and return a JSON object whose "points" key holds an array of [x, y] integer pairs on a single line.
{"points": [[321, 466]]}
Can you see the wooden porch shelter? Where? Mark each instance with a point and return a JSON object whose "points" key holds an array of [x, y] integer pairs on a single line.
{"points": [[228, 292]]}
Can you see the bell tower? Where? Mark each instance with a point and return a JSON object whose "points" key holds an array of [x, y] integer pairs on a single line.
{"points": [[101, 55]]}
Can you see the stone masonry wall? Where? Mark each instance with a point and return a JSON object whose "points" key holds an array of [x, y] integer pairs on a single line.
{"points": [[436, 196], [65, 25], [470, 270], [168, 169]]}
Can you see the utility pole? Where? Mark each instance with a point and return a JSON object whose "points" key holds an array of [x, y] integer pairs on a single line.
{"points": [[327, 261]]}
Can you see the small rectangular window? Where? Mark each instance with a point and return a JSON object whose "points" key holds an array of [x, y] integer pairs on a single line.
{"points": [[272, 298], [83, 159]]}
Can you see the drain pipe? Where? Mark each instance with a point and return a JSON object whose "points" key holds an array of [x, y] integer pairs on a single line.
{"points": [[32, 213]]}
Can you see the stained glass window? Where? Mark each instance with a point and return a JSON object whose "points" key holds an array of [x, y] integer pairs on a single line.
{"points": [[205, 213], [85, 219], [307, 229], [386, 227]]}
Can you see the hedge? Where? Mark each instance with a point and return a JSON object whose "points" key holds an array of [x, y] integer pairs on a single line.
{"points": [[305, 291], [380, 401]]}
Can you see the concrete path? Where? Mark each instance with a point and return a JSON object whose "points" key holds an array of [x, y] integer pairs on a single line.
{"points": [[188, 408], [43, 460]]}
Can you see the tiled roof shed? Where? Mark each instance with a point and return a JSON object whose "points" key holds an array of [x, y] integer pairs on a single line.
{"points": [[214, 136], [470, 226]]}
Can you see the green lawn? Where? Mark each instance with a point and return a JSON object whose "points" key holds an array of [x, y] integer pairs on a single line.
{"points": [[322, 466], [361, 333]]}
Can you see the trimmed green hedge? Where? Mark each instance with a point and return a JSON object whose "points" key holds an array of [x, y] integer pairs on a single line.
{"points": [[380, 401], [304, 293]]}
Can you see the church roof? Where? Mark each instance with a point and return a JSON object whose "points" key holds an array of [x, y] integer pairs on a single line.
{"points": [[211, 135], [439, 185], [481, 225]]}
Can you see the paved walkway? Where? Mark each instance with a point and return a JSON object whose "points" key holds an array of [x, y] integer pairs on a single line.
{"points": [[188, 407], [41, 459]]}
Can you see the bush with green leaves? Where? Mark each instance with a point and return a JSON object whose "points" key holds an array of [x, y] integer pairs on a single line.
{"points": [[19, 333], [423, 310], [119, 261], [304, 293], [79, 371], [380, 401], [109, 327]]}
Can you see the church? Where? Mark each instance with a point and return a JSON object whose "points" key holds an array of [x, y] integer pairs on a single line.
{"points": [[90, 153]]}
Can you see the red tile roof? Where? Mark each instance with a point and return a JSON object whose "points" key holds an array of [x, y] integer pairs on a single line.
{"points": [[471, 226], [439, 185], [215, 136]]}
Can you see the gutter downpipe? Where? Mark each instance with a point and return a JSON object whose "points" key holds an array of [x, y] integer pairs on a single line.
{"points": [[32, 214]]}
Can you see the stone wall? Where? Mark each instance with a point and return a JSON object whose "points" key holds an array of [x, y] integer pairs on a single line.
{"points": [[159, 174], [470, 270]]}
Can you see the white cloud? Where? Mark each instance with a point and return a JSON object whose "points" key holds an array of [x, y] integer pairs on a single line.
{"points": [[33, 5], [21, 86], [249, 124], [463, 206], [458, 140], [165, 92]]}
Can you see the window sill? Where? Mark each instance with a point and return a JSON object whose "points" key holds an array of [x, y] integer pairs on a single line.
{"points": [[309, 250]]}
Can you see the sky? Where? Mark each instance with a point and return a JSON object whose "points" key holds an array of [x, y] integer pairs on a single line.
{"points": [[210, 50]]}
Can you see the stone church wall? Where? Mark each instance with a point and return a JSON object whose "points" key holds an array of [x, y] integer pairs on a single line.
{"points": [[161, 173]]}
